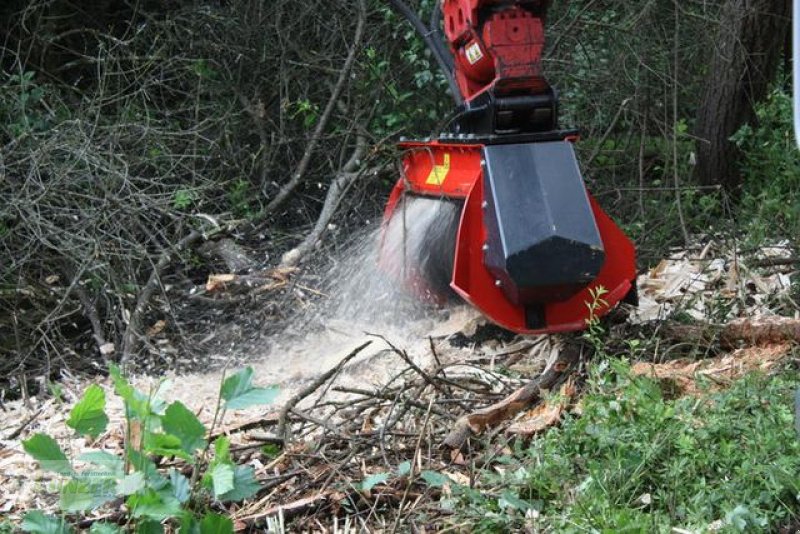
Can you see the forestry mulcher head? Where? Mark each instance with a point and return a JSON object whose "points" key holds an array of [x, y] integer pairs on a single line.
{"points": [[496, 208]]}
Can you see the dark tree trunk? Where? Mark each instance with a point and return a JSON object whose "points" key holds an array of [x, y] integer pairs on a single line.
{"points": [[743, 64]]}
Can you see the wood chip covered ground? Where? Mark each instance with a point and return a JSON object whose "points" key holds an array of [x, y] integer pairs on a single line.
{"points": [[378, 427]]}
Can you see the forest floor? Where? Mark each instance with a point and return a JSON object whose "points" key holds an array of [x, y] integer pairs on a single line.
{"points": [[366, 405]]}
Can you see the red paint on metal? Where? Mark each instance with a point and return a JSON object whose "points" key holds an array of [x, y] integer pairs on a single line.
{"points": [[464, 168], [496, 45], [475, 284], [471, 279]]}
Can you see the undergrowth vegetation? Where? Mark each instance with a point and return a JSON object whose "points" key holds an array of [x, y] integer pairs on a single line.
{"points": [[153, 430], [770, 204], [634, 460]]}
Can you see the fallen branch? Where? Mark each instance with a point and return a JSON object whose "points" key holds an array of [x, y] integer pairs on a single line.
{"points": [[286, 510], [311, 388], [16, 433], [738, 333], [268, 420], [234, 256], [258, 282], [479, 420]]}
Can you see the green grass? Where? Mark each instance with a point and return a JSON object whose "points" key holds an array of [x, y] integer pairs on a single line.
{"points": [[636, 462]]}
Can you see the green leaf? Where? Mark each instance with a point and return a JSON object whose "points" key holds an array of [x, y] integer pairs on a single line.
{"points": [[189, 524], [179, 421], [181, 489], [88, 416], [47, 452], [152, 505], [245, 485], [216, 524], [404, 468], [113, 464], [510, 499], [39, 523], [121, 385], [137, 405], [142, 463], [271, 450], [131, 483], [222, 450], [105, 528], [166, 445], [222, 479], [372, 480], [82, 496], [432, 478], [238, 391], [150, 527]]}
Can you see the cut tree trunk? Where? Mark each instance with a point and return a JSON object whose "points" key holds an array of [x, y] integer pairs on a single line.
{"points": [[743, 64]]}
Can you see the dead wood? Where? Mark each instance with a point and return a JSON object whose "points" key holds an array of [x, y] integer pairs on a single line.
{"points": [[16, 433], [270, 419], [311, 388], [477, 421], [340, 184], [258, 282], [546, 414], [344, 76], [132, 336], [287, 510], [737, 333], [394, 398], [776, 262]]}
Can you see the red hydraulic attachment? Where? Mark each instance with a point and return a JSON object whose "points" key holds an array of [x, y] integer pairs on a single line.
{"points": [[532, 246], [454, 171], [496, 45]]}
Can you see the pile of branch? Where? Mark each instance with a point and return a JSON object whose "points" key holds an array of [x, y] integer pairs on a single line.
{"points": [[362, 453], [392, 451]]}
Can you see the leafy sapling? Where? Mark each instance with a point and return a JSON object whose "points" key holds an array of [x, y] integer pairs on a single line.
{"points": [[153, 430]]}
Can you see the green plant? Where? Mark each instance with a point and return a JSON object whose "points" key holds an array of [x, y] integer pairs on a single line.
{"points": [[239, 196], [594, 332], [770, 164], [20, 104], [153, 430], [307, 111], [634, 461], [183, 198]]}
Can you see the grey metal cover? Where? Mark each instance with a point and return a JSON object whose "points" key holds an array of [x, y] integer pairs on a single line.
{"points": [[543, 243]]}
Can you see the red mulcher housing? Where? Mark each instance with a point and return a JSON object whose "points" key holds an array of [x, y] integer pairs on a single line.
{"points": [[532, 244]]}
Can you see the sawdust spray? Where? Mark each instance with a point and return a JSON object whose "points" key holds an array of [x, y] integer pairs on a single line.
{"points": [[363, 295], [365, 292]]}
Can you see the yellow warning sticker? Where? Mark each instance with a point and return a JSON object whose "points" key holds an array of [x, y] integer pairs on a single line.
{"points": [[439, 172], [474, 53]]}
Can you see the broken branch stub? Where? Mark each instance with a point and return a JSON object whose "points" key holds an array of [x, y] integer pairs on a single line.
{"points": [[480, 420]]}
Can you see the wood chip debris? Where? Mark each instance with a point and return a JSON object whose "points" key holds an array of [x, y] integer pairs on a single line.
{"points": [[383, 410], [546, 414], [693, 377], [717, 283]]}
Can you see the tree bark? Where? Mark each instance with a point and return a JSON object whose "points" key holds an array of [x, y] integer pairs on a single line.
{"points": [[743, 64]]}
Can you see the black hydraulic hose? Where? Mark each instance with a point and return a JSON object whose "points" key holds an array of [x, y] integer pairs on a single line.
{"points": [[438, 37], [427, 36]]}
